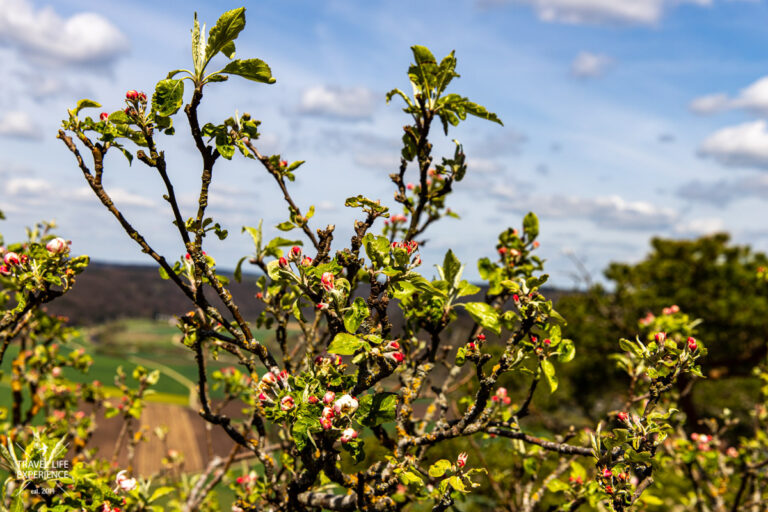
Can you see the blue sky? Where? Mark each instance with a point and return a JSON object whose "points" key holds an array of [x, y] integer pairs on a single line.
{"points": [[624, 119]]}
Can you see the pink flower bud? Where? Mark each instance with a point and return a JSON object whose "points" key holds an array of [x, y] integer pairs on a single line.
{"points": [[660, 337], [623, 416], [395, 356], [607, 473], [269, 378], [329, 397], [104, 116], [461, 460], [392, 345], [287, 403], [125, 483], [132, 95], [306, 261], [142, 96], [692, 345], [536, 244], [326, 423], [283, 163], [56, 372], [282, 262], [516, 298], [11, 258], [409, 186], [322, 306], [313, 399], [481, 337], [472, 345], [57, 246], [502, 250], [295, 251], [348, 435], [327, 281], [259, 295], [4, 270], [328, 412]]}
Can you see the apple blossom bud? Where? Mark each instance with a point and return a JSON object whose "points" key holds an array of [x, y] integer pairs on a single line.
{"points": [[536, 244], [322, 305], [461, 460], [56, 371], [132, 95], [4, 270], [623, 416], [313, 399], [692, 345], [516, 298], [607, 473], [269, 378], [547, 341], [282, 262], [104, 116], [660, 337], [392, 345], [295, 251], [326, 423], [329, 397], [11, 258], [125, 483], [306, 261], [409, 186], [472, 345], [57, 246], [283, 163], [328, 412], [481, 337], [395, 356], [259, 295], [327, 281], [287, 403], [345, 405], [348, 435]]}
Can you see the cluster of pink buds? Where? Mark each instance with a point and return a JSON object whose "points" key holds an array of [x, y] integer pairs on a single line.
{"points": [[348, 435], [648, 319], [461, 460], [124, 483], [692, 345], [135, 96], [409, 246], [501, 396], [271, 382], [326, 418], [702, 441], [398, 217], [327, 281], [328, 359], [392, 351], [57, 246], [246, 479], [671, 310]]}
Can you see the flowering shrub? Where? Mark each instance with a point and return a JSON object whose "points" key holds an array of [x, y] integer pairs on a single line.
{"points": [[354, 413]]}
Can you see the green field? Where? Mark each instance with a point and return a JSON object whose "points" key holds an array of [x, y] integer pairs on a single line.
{"points": [[128, 343]]}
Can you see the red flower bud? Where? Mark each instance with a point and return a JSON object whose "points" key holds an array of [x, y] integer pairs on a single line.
{"points": [[313, 399], [283, 163], [104, 116], [326, 280], [392, 345], [4, 270], [481, 337], [461, 460], [692, 345], [660, 337], [282, 262], [295, 250], [306, 261], [57, 246], [132, 95], [623, 416], [547, 341], [11, 258], [142, 96]]}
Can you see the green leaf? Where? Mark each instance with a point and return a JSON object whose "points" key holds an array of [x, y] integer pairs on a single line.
{"points": [[480, 111], [549, 373], [567, 351], [531, 226], [354, 316], [255, 235], [451, 269], [423, 55], [168, 97], [377, 409], [345, 344], [85, 103], [303, 428], [250, 69], [409, 477], [456, 482], [160, 492], [440, 468], [286, 226], [226, 30], [485, 315], [238, 275]]}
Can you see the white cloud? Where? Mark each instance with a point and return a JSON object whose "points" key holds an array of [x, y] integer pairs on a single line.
{"points": [[483, 166], [699, 227], [710, 104], [753, 98], [354, 103], [84, 38], [18, 124], [743, 145], [590, 65], [722, 192], [639, 12], [19, 187], [612, 212]]}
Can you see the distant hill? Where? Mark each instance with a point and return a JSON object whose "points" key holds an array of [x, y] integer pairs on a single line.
{"points": [[107, 291]]}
